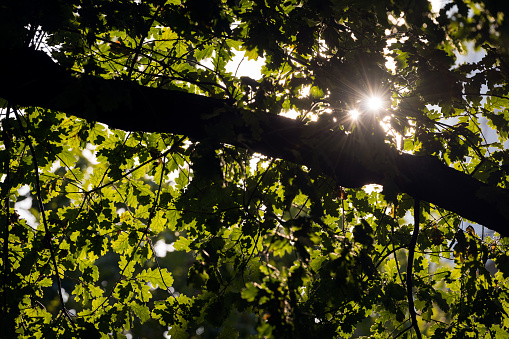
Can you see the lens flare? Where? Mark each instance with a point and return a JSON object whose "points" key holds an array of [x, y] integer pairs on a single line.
{"points": [[354, 114]]}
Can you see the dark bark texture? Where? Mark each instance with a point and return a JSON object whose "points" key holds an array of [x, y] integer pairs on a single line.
{"points": [[30, 78]]}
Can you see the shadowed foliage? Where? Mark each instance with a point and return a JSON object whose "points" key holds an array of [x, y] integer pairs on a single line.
{"points": [[151, 189]]}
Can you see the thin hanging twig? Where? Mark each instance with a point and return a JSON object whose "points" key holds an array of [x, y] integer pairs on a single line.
{"points": [[47, 232], [6, 187], [409, 269]]}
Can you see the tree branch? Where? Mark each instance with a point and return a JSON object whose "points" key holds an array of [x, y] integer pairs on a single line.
{"points": [[409, 269], [31, 78]]}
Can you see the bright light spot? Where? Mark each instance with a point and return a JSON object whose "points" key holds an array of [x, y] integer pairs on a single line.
{"points": [[292, 114], [161, 247], [24, 190], [23, 207], [373, 188], [354, 114], [374, 103], [436, 5], [304, 91], [390, 63], [65, 295], [239, 65], [89, 154], [397, 21]]}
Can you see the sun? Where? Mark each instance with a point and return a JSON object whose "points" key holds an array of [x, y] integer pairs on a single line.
{"points": [[374, 103]]}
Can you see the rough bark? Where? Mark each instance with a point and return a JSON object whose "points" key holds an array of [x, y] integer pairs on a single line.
{"points": [[31, 78]]}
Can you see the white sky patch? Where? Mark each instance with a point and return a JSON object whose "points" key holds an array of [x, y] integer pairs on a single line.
{"points": [[161, 248], [56, 165], [436, 5], [373, 188], [24, 204], [304, 91], [258, 159], [65, 295], [22, 207], [23, 190], [390, 63], [470, 55], [240, 66], [89, 154], [292, 113]]}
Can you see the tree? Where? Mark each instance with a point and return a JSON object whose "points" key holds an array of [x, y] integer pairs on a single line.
{"points": [[270, 218]]}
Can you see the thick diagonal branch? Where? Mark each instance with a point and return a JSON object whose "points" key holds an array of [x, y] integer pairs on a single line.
{"points": [[31, 79]]}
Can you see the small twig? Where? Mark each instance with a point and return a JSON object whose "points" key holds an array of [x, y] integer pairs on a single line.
{"points": [[142, 39], [159, 268], [246, 205], [397, 327], [243, 265], [409, 270], [394, 249], [163, 154], [44, 221], [403, 332]]}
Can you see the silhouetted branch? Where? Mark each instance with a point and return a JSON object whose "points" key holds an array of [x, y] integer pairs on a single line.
{"points": [[31, 78]]}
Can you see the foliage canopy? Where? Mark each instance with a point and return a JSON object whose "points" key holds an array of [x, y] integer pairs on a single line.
{"points": [[126, 129]]}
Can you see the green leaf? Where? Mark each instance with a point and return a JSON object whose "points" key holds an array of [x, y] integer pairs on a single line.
{"points": [[250, 292], [177, 333], [141, 311], [158, 278], [182, 244], [204, 53], [252, 54]]}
